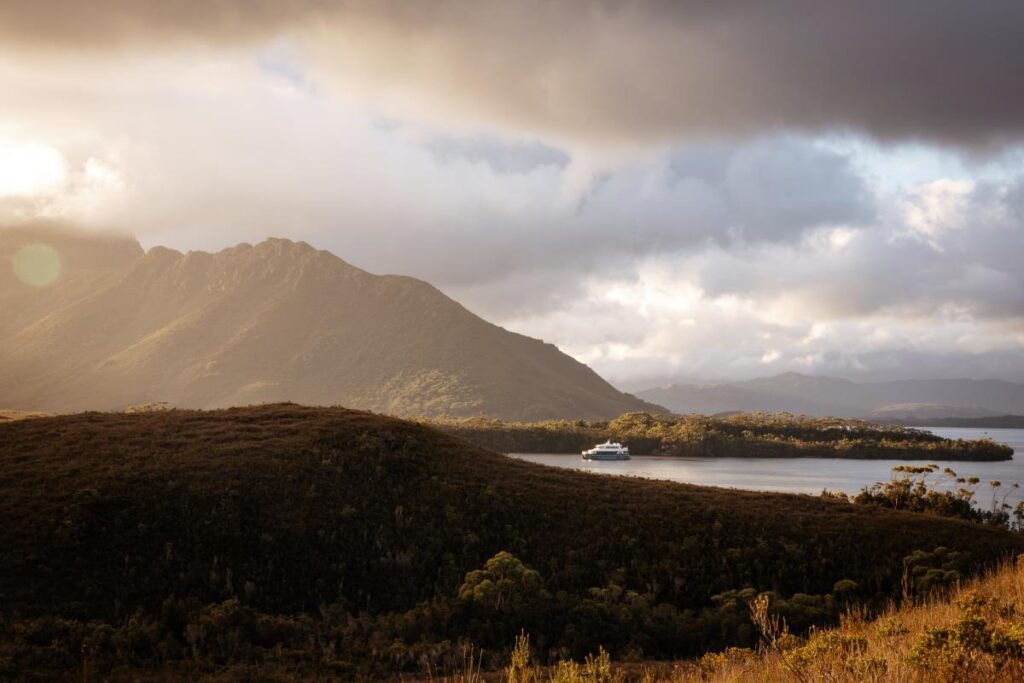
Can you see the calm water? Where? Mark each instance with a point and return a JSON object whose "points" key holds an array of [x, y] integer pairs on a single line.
{"points": [[806, 475]]}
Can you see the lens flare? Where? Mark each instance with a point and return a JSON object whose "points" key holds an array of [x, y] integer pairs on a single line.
{"points": [[38, 265]]}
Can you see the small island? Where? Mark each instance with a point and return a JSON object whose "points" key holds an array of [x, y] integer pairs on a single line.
{"points": [[739, 435]]}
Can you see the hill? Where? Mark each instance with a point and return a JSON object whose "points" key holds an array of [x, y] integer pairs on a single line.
{"points": [[828, 396], [276, 321], [923, 412], [291, 541]]}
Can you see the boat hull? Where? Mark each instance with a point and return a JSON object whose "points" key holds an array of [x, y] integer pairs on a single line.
{"points": [[607, 456]]}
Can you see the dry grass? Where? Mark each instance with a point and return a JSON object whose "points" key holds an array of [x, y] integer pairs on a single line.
{"points": [[974, 633]]}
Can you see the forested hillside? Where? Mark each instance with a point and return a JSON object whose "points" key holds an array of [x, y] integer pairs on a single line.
{"points": [[742, 435], [292, 541]]}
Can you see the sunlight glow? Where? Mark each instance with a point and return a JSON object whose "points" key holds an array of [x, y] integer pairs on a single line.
{"points": [[29, 169]]}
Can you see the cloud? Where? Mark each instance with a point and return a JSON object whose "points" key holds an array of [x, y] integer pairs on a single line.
{"points": [[727, 256], [944, 243], [201, 153], [609, 73], [501, 155], [882, 300], [662, 325]]}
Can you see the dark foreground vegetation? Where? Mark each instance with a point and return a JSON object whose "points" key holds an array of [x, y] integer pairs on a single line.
{"points": [[969, 634], [288, 541], [739, 435]]}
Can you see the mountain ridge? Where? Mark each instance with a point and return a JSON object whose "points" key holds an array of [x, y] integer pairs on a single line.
{"points": [[278, 320], [821, 395]]}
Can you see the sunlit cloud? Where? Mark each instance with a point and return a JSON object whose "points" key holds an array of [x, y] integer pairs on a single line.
{"points": [[599, 205], [29, 169]]}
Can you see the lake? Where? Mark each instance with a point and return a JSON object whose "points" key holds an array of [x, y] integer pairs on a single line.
{"points": [[807, 475]]}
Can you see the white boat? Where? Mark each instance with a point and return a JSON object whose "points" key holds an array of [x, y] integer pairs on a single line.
{"points": [[607, 451]]}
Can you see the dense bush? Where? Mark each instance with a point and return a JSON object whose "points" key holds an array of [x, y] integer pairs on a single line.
{"points": [[932, 491], [297, 541], [740, 435]]}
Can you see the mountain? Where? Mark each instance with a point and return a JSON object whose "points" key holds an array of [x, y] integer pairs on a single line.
{"points": [[993, 422], [829, 396], [927, 411], [85, 263], [298, 537], [276, 321], [727, 398]]}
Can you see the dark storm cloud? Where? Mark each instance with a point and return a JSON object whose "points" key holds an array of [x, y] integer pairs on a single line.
{"points": [[942, 70]]}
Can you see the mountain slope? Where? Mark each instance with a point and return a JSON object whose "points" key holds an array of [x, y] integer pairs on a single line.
{"points": [[84, 262], [825, 396], [280, 321]]}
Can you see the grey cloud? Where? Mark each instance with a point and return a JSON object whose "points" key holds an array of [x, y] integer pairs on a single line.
{"points": [[897, 364], [500, 155], [778, 187], [770, 190], [640, 72], [206, 164], [974, 268]]}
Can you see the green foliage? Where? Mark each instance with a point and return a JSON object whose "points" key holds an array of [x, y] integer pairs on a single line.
{"points": [[925, 572], [915, 488], [503, 584], [952, 652]]}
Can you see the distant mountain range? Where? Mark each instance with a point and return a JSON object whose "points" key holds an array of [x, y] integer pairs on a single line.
{"points": [[276, 321], [829, 396]]}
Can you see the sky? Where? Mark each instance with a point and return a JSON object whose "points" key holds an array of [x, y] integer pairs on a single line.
{"points": [[668, 191]]}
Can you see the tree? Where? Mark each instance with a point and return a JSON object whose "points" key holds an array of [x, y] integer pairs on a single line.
{"points": [[503, 584]]}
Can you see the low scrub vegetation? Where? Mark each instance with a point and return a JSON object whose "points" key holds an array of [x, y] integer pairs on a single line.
{"points": [[289, 542], [971, 632], [741, 435], [930, 490]]}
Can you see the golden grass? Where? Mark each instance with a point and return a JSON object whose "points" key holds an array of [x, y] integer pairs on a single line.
{"points": [[973, 633], [976, 633]]}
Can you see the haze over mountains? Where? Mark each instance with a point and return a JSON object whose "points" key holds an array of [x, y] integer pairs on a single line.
{"points": [[284, 321], [276, 321], [825, 396]]}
